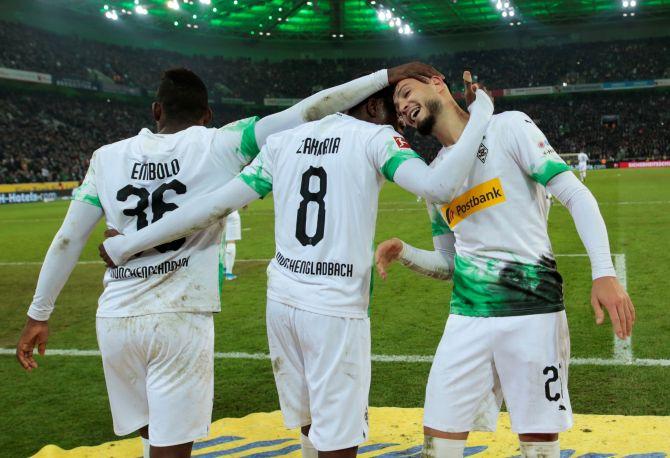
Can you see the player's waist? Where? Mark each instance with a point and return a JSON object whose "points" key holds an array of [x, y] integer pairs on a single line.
{"points": [[503, 287]]}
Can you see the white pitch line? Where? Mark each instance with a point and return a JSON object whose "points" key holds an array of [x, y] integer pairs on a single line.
{"points": [[623, 349], [375, 358]]}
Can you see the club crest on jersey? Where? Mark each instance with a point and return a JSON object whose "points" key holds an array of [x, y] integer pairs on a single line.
{"points": [[482, 152], [482, 196], [402, 143]]}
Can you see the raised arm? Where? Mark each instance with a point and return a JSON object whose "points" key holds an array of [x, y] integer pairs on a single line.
{"points": [[61, 258], [440, 183], [338, 98]]}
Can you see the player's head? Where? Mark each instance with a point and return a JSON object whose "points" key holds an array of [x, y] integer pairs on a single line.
{"points": [[420, 104], [181, 100], [377, 109]]}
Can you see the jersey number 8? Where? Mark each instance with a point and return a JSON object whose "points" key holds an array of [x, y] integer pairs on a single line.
{"points": [[307, 197]]}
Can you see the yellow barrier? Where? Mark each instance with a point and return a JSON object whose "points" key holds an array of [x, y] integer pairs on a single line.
{"points": [[397, 432], [28, 187]]}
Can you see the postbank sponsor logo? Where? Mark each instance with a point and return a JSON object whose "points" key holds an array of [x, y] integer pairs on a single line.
{"points": [[398, 432], [482, 196]]}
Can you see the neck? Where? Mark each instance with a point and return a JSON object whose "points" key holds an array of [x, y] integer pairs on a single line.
{"points": [[173, 128], [450, 124]]}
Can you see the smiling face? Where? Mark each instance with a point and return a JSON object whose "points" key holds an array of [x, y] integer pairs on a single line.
{"points": [[419, 104]]}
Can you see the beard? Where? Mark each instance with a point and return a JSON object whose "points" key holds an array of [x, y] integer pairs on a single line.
{"points": [[426, 125]]}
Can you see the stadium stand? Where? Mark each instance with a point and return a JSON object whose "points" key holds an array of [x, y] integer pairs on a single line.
{"points": [[49, 137], [27, 48], [608, 126]]}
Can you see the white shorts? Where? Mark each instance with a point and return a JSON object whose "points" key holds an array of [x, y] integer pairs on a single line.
{"points": [[159, 371], [322, 369], [582, 168], [480, 361], [233, 227]]}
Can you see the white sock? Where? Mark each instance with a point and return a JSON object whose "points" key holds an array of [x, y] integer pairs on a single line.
{"points": [[540, 449], [146, 447], [230, 257], [308, 450], [437, 447]]}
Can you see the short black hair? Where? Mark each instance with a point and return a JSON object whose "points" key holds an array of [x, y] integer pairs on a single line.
{"points": [[386, 95], [182, 95]]}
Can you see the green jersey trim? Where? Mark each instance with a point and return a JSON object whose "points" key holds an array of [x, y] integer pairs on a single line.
{"points": [[89, 199], [548, 170], [249, 146], [438, 225], [487, 287], [256, 181], [396, 157]]}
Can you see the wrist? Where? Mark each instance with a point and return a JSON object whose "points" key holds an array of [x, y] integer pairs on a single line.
{"points": [[607, 272], [36, 317]]}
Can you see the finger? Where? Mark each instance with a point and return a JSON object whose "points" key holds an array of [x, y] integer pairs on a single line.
{"points": [[632, 309], [111, 233], [42, 347], [20, 356], [629, 318], [622, 310], [467, 77], [616, 322], [423, 79], [598, 310]]}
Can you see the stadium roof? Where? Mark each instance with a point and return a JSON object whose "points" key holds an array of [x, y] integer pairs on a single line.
{"points": [[362, 19]]}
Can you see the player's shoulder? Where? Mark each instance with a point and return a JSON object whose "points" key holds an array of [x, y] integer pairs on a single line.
{"points": [[112, 150], [508, 118]]}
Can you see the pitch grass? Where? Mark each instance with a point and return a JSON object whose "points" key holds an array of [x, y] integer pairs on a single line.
{"points": [[65, 401]]}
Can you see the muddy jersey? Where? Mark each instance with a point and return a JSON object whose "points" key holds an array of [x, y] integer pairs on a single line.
{"points": [[136, 182], [504, 263], [326, 177]]}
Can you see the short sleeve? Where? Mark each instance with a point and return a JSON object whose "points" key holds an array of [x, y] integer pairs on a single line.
{"points": [[258, 174], [532, 150], [389, 149], [88, 190], [237, 141]]}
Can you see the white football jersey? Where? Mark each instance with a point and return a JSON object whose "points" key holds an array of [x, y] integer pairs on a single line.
{"points": [[504, 263], [582, 158], [135, 182], [326, 177]]}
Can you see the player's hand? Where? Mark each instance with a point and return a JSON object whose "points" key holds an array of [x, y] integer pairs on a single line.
{"points": [[471, 89], [387, 252], [103, 252], [35, 334], [607, 292], [417, 70]]}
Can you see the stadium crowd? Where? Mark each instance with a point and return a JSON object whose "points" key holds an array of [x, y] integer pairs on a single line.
{"points": [[33, 49], [50, 137]]}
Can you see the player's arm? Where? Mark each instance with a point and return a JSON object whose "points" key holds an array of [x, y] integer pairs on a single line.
{"points": [[61, 258], [537, 159], [339, 98], [440, 183], [252, 183], [438, 263], [606, 291]]}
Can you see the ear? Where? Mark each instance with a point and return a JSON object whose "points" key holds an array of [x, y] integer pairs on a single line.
{"points": [[371, 107], [157, 110], [209, 114], [438, 84]]}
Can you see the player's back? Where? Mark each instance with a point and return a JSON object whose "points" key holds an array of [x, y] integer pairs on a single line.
{"points": [[326, 181], [136, 182]]}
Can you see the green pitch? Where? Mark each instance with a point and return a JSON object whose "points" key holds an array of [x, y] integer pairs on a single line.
{"points": [[65, 401]]}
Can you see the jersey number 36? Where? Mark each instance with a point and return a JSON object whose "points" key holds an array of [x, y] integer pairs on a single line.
{"points": [[158, 207]]}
